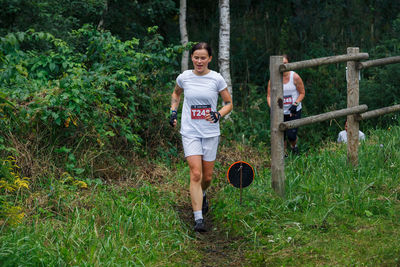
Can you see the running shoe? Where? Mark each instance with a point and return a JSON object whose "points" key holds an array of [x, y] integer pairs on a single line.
{"points": [[199, 225], [204, 207]]}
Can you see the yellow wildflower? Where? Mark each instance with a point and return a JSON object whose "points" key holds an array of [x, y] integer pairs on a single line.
{"points": [[22, 183], [14, 214], [6, 186], [80, 184], [66, 123]]}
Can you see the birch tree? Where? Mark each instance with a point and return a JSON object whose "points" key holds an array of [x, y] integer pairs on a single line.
{"points": [[224, 42], [105, 10], [184, 34]]}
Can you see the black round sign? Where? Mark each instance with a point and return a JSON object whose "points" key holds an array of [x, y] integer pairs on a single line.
{"points": [[240, 170]]}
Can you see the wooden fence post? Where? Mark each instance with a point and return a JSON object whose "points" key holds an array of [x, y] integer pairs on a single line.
{"points": [[352, 75], [277, 147]]}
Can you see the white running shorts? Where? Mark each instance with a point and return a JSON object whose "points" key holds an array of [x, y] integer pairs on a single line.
{"points": [[207, 147]]}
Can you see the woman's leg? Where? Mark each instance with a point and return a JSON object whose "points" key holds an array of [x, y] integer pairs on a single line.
{"points": [[196, 192], [208, 168]]}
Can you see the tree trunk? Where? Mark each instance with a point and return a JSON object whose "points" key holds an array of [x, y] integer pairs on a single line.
{"points": [[184, 34], [224, 42], [105, 10]]}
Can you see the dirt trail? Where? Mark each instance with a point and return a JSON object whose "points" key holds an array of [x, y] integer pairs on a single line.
{"points": [[215, 247]]}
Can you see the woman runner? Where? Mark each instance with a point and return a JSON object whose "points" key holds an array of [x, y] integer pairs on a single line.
{"points": [[293, 94], [200, 124]]}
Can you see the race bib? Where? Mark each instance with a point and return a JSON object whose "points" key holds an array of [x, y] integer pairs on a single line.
{"points": [[199, 112], [287, 100]]}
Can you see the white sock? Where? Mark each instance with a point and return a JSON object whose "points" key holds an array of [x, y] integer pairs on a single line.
{"points": [[198, 215]]}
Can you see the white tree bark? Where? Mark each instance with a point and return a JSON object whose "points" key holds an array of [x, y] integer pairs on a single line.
{"points": [[224, 42], [105, 10], [184, 34]]}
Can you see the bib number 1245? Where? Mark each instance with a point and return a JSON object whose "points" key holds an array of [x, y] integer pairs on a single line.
{"points": [[198, 112]]}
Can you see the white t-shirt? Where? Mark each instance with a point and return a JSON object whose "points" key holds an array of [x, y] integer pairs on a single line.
{"points": [[200, 97], [342, 137], [290, 95]]}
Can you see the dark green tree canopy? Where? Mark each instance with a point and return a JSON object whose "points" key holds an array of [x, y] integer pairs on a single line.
{"points": [[259, 29]]}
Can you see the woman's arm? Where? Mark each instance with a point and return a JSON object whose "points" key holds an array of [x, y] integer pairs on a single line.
{"points": [[175, 99], [226, 97], [300, 87]]}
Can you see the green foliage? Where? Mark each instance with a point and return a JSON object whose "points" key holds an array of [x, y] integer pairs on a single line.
{"points": [[329, 205], [127, 18], [51, 16], [258, 30], [122, 18], [102, 226], [113, 93], [328, 208], [303, 30], [12, 185], [72, 97], [249, 121], [378, 86]]}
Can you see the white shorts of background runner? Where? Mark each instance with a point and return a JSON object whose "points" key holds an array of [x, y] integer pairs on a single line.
{"points": [[207, 147]]}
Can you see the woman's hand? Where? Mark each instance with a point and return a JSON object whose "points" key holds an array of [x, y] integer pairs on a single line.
{"points": [[173, 118], [213, 116]]}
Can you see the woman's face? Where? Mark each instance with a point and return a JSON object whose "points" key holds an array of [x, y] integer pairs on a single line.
{"points": [[285, 60], [200, 59]]}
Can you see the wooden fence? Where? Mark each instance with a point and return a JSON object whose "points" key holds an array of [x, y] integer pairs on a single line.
{"points": [[354, 111]]}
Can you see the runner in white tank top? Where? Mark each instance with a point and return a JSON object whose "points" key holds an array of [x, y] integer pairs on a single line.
{"points": [[293, 94], [290, 95]]}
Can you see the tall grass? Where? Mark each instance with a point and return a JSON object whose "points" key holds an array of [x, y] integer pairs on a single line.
{"points": [[103, 227], [332, 214]]}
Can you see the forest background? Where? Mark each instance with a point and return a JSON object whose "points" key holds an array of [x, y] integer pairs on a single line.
{"points": [[85, 85], [259, 29]]}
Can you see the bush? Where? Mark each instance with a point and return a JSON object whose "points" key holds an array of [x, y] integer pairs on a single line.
{"points": [[108, 93], [101, 93]]}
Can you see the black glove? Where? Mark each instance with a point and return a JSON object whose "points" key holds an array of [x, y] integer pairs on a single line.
{"points": [[173, 117], [293, 109], [215, 116]]}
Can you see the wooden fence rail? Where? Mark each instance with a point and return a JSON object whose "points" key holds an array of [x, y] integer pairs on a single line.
{"points": [[377, 112], [354, 111], [378, 62], [321, 61], [322, 117]]}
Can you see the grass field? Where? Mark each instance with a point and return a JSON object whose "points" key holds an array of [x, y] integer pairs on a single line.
{"points": [[332, 215]]}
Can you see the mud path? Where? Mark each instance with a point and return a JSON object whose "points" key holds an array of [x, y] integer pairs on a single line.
{"points": [[215, 247]]}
